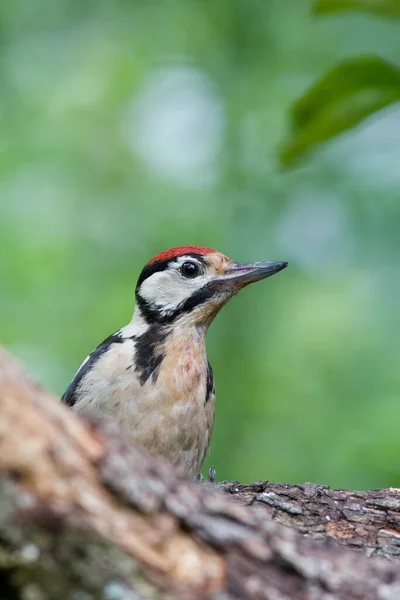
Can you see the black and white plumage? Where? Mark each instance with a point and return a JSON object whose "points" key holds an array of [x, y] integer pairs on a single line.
{"points": [[152, 377]]}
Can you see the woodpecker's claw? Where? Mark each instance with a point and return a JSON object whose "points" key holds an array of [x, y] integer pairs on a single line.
{"points": [[210, 477], [211, 474]]}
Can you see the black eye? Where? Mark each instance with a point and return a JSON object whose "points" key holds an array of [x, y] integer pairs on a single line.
{"points": [[189, 269]]}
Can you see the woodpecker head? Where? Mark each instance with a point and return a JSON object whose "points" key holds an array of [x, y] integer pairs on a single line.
{"points": [[190, 284]]}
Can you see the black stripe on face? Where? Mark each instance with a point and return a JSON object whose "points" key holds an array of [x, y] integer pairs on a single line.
{"points": [[199, 297], [155, 314], [70, 395]]}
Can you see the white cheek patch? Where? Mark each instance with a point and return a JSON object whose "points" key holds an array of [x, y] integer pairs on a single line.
{"points": [[168, 288]]}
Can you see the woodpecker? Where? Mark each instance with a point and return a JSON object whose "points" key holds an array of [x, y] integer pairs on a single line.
{"points": [[152, 377]]}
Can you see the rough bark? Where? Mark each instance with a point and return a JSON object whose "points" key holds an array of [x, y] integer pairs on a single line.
{"points": [[368, 522], [84, 515]]}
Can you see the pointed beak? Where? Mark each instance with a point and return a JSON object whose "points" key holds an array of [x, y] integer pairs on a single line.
{"points": [[241, 275]]}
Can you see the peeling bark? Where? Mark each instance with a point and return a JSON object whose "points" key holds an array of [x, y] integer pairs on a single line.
{"points": [[84, 515]]}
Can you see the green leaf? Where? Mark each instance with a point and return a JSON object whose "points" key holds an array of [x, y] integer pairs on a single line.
{"points": [[386, 8], [350, 92]]}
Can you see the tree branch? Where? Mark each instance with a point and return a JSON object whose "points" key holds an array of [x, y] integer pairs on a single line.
{"points": [[368, 522], [84, 515]]}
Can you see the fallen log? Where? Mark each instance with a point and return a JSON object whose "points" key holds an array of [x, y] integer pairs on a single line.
{"points": [[84, 515]]}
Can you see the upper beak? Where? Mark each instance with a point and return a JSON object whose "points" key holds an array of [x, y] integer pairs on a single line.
{"points": [[243, 274]]}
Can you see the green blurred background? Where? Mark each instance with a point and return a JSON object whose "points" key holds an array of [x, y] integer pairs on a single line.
{"points": [[129, 127]]}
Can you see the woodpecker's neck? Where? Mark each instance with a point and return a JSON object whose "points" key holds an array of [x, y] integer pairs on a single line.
{"points": [[184, 326], [158, 344], [138, 324]]}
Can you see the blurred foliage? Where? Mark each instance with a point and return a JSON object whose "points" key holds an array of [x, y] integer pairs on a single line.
{"points": [[347, 94], [130, 127], [353, 90], [386, 8]]}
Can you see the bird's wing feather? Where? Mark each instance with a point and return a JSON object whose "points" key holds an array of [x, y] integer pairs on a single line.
{"points": [[70, 395]]}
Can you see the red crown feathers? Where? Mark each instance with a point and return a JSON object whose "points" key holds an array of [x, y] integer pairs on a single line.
{"points": [[180, 251]]}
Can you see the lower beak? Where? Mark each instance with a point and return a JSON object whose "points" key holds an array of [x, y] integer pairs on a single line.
{"points": [[241, 275]]}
